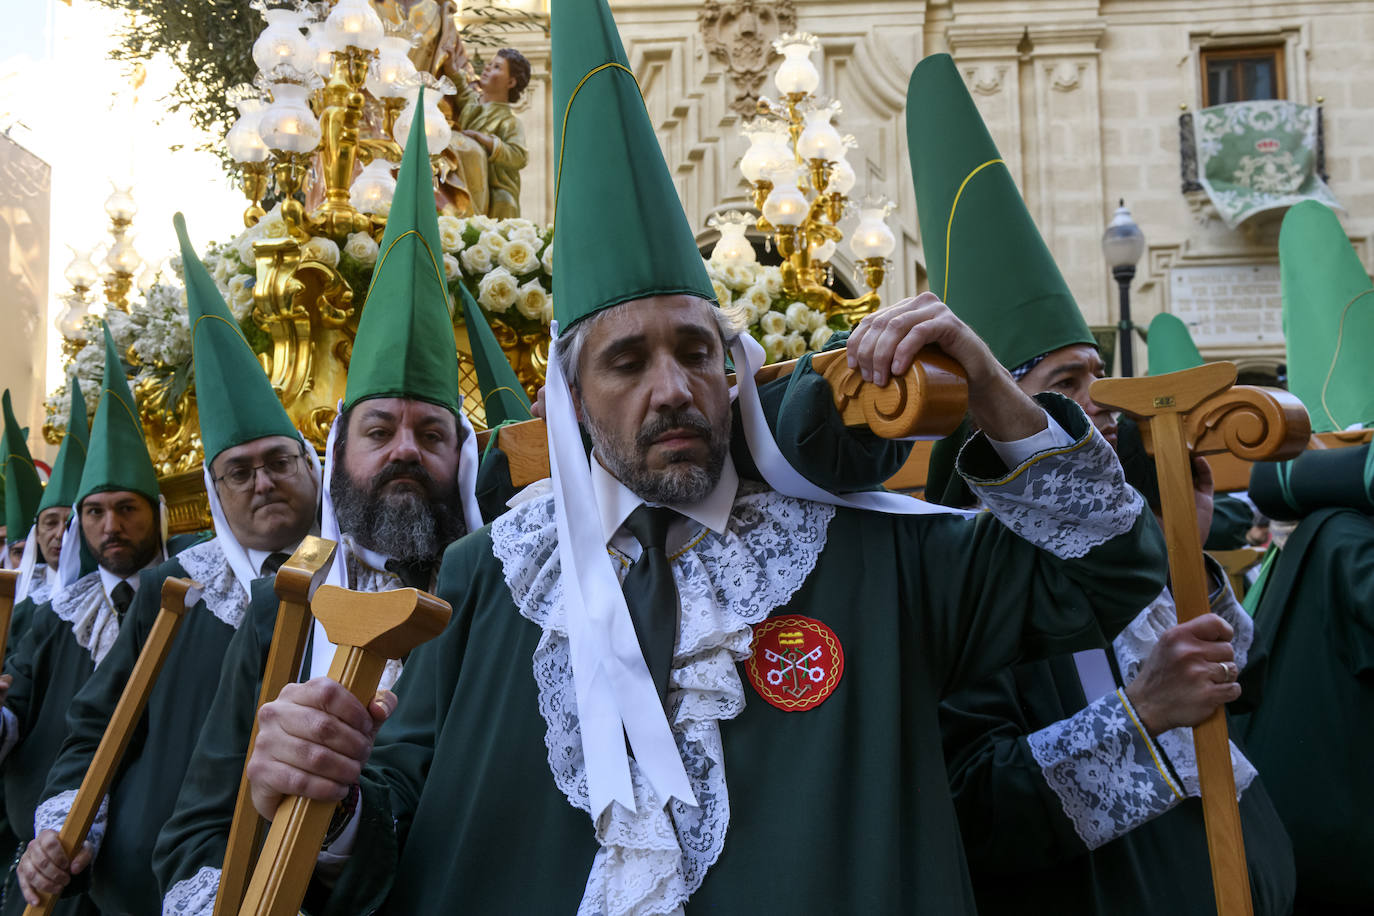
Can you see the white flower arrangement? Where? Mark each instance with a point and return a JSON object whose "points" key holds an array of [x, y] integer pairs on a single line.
{"points": [[784, 326]]}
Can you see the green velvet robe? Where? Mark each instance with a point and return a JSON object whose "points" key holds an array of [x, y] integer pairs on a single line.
{"points": [[154, 765], [1025, 855], [1312, 733], [843, 808]]}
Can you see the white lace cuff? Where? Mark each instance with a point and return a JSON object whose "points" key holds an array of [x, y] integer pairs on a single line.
{"points": [[193, 897], [1103, 767], [52, 814], [1177, 745], [1018, 452], [1066, 500]]}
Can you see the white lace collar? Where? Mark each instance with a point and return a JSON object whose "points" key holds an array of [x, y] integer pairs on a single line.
{"points": [[222, 593], [85, 606], [651, 861]]}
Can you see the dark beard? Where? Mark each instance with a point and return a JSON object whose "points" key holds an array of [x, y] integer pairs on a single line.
{"points": [[681, 483], [142, 555], [405, 525]]}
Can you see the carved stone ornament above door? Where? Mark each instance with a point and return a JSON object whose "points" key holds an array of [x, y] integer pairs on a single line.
{"points": [[740, 35]]}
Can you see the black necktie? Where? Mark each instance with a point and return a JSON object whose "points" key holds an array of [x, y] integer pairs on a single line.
{"points": [[413, 573], [651, 594], [274, 562], [121, 596]]}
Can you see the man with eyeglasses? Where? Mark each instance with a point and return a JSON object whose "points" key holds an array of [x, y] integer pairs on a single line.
{"points": [[263, 483]]}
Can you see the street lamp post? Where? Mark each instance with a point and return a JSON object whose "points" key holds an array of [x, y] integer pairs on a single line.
{"points": [[1123, 243]]}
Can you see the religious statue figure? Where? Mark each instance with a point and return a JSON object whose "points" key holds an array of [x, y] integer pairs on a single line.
{"points": [[479, 172]]}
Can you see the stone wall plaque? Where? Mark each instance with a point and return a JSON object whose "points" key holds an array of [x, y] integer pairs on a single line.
{"points": [[1229, 304]]}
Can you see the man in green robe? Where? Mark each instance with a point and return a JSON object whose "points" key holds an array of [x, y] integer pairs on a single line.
{"points": [[117, 512], [1055, 764], [401, 474], [504, 778], [263, 482], [1312, 665]]}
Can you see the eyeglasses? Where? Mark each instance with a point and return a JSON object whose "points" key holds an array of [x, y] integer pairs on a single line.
{"points": [[243, 477]]}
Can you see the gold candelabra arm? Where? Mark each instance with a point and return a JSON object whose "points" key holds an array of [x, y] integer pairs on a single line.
{"points": [[289, 169], [339, 143], [254, 179], [373, 148]]}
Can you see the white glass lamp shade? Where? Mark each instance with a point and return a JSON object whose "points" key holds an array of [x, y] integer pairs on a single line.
{"points": [[147, 278], [768, 150], [733, 247], [354, 23], [823, 252], [123, 259], [786, 205], [392, 73], [819, 139], [842, 177], [1123, 243], [373, 188], [71, 318], [82, 272], [120, 205], [244, 140], [321, 51], [871, 238], [437, 129], [281, 42], [796, 73], [288, 124]]}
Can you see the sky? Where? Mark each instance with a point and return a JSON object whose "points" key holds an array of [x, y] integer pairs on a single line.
{"points": [[64, 100]]}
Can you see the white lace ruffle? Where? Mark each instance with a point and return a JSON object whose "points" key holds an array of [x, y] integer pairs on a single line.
{"points": [[652, 860], [1065, 501], [1134, 644], [40, 591], [193, 897], [1101, 767], [220, 590], [92, 617], [52, 813]]}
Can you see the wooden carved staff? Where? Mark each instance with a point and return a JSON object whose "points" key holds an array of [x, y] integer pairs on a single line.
{"points": [[9, 585], [928, 400], [177, 596], [1198, 412], [296, 582], [369, 629]]}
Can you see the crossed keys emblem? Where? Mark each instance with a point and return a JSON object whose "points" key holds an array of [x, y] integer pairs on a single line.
{"points": [[792, 667]]}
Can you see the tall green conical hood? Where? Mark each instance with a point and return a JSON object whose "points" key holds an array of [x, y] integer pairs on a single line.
{"points": [[1171, 345], [619, 229], [985, 257], [71, 457], [405, 346], [23, 489], [117, 458], [503, 398], [235, 400], [1328, 318]]}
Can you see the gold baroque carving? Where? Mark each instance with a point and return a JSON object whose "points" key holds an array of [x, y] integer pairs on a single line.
{"points": [[740, 35]]}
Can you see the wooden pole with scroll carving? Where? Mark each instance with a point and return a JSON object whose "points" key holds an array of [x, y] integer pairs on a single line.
{"points": [[1198, 412], [929, 400], [177, 595], [296, 582], [9, 585], [369, 629]]}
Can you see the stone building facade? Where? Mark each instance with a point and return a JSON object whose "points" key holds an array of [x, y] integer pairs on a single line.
{"points": [[1082, 96]]}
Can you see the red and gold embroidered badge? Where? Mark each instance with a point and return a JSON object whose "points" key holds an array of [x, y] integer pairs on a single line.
{"points": [[796, 662]]}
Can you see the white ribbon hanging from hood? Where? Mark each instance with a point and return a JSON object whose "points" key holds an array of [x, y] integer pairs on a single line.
{"points": [[27, 565]]}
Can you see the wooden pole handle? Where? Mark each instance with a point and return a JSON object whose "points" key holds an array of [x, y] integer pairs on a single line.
{"points": [[295, 583], [1198, 412], [177, 595], [9, 586], [928, 401], [369, 629]]}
